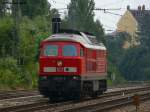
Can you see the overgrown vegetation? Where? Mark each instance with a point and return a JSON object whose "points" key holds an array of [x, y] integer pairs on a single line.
{"points": [[133, 63], [22, 30], [19, 57], [136, 60], [20, 35], [115, 54]]}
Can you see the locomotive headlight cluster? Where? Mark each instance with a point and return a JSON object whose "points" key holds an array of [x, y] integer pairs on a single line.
{"points": [[70, 69], [60, 69], [76, 78]]}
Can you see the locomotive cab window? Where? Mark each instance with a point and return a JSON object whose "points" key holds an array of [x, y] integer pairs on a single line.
{"points": [[69, 50], [81, 52], [51, 50]]}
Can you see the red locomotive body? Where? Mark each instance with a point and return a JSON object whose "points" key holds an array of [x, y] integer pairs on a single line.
{"points": [[72, 64]]}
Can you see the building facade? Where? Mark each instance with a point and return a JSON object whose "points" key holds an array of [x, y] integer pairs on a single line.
{"points": [[130, 22]]}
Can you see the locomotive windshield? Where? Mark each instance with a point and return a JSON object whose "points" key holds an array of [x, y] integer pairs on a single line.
{"points": [[51, 50], [69, 50]]}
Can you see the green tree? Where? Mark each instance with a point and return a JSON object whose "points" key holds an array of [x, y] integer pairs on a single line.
{"points": [[136, 64], [30, 8], [6, 37], [20, 37], [31, 33], [80, 13], [98, 31], [3, 7], [116, 53], [54, 13], [115, 47], [145, 31], [81, 17]]}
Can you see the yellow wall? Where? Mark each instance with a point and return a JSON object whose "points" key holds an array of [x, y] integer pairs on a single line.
{"points": [[128, 24]]}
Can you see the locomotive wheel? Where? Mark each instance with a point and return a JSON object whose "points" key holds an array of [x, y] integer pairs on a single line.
{"points": [[56, 99], [45, 93], [94, 94], [67, 97], [73, 96], [78, 96], [52, 99]]}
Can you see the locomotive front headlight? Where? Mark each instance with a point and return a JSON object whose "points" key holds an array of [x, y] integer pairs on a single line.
{"points": [[75, 77], [70, 69]]}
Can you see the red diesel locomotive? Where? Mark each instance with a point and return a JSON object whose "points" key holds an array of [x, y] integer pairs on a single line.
{"points": [[72, 64]]}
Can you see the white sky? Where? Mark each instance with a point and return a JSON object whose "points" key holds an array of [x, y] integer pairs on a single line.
{"points": [[108, 21]]}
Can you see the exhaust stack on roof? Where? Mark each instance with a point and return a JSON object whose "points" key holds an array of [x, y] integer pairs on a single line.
{"points": [[56, 25], [143, 7]]}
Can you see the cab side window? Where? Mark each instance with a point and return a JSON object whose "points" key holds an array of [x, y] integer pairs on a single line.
{"points": [[81, 52]]}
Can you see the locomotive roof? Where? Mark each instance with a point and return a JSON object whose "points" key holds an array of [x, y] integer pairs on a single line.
{"points": [[71, 31], [86, 39]]}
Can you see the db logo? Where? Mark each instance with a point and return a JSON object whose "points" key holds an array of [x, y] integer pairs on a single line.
{"points": [[59, 63]]}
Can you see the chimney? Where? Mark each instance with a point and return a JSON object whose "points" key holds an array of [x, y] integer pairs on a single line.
{"points": [[143, 7], [56, 25], [139, 8], [128, 7]]}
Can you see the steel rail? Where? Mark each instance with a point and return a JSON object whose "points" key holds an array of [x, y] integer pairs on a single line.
{"points": [[16, 94], [45, 105], [109, 104]]}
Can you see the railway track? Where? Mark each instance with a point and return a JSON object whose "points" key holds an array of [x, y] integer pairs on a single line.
{"points": [[16, 94], [102, 106], [89, 104], [24, 93]]}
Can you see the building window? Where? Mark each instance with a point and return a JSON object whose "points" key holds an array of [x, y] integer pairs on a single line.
{"points": [[81, 52]]}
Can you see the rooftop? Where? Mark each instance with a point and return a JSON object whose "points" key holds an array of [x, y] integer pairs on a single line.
{"points": [[139, 13]]}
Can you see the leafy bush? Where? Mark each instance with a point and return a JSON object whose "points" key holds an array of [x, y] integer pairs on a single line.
{"points": [[19, 42], [13, 76], [9, 73], [6, 36]]}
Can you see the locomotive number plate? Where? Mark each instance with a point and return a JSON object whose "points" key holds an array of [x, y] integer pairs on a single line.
{"points": [[60, 69]]}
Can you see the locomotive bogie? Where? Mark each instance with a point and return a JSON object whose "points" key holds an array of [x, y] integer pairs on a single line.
{"points": [[72, 86], [60, 86]]}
